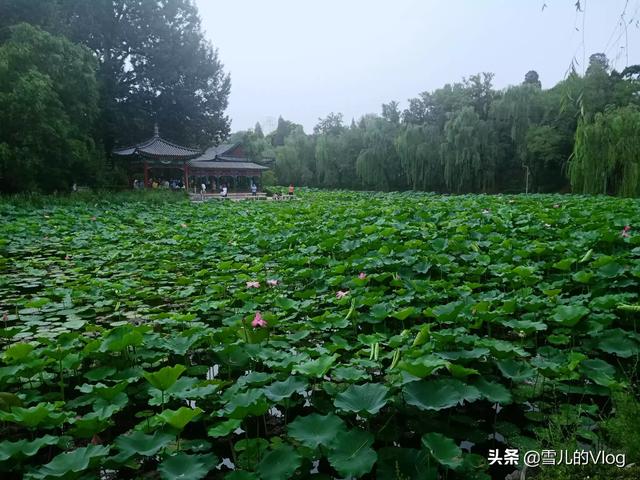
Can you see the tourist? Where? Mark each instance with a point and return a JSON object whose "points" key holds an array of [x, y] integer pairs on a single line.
{"points": [[291, 189], [254, 189], [223, 193]]}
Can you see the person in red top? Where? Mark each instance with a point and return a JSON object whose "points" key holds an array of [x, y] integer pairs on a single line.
{"points": [[291, 189]]}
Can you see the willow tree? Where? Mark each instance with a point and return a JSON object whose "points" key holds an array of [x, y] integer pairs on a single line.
{"points": [[518, 109], [418, 147], [378, 165], [469, 153], [328, 155], [295, 160], [606, 155]]}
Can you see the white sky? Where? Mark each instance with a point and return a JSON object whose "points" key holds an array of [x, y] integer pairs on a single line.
{"points": [[305, 58]]}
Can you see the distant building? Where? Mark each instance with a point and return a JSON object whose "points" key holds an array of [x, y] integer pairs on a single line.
{"points": [[226, 164]]}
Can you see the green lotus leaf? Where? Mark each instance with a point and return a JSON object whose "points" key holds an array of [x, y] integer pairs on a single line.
{"points": [[76, 461], [315, 429], [618, 343], [139, 443], [280, 390], [380, 311], [351, 374], [100, 373], [17, 352], [286, 303], [316, 368], [121, 338], [569, 315], [279, 463], [225, 428], [24, 448], [179, 344], [351, 453], [179, 418], [515, 370], [42, 414], [494, 392], [439, 394], [424, 366], [526, 326], [443, 449], [90, 424], [187, 467], [404, 313], [370, 397], [598, 371], [164, 378], [458, 371], [251, 402]]}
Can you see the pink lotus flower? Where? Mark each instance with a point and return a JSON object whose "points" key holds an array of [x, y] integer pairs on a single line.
{"points": [[341, 294], [93, 219], [625, 231], [362, 276], [183, 225], [67, 257], [253, 284], [272, 282], [5, 317], [258, 321], [556, 206]]}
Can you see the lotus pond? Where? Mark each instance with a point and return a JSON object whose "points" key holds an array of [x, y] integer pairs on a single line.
{"points": [[342, 335]]}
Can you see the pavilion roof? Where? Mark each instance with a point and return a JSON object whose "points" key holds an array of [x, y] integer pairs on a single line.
{"points": [[225, 165], [217, 152], [158, 148]]}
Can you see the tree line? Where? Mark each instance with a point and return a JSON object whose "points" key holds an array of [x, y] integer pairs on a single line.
{"points": [[581, 135], [79, 77]]}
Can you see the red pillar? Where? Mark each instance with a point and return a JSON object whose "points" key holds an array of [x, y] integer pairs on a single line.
{"points": [[186, 176], [146, 175]]}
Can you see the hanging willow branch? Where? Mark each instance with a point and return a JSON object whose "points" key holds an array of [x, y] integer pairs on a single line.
{"points": [[606, 155]]}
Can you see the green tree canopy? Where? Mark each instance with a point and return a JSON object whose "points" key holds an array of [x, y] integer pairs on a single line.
{"points": [[48, 106], [155, 65], [606, 156]]}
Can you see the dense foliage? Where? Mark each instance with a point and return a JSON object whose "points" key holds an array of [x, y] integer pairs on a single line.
{"points": [[351, 335], [607, 154], [152, 64], [468, 137], [48, 103]]}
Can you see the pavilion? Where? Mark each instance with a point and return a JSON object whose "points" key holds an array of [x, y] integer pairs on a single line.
{"points": [[157, 155], [223, 164], [226, 164]]}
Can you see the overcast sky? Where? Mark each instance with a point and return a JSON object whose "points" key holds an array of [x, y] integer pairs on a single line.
{"points": [[305, 58]]}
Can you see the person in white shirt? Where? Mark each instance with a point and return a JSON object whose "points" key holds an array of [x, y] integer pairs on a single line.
{"points": [[223, 193]]}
